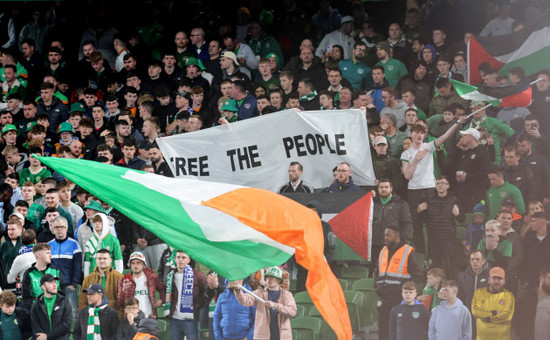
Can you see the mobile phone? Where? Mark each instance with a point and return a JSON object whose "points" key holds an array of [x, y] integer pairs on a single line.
{"points": [[329, 48]]}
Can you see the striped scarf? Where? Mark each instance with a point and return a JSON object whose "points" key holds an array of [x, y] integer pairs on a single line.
{"points": [[169, 280], [94, 328]]}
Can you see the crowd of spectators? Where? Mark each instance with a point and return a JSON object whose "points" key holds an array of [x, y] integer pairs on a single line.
{"points": [[82, 82]]}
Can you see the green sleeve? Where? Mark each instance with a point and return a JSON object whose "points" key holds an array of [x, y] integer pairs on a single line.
{"points": [[520, 203], [502, 129], [402, 70], [505, 248], [481, 245], [117, 252], [421, 114], [22, 176]]}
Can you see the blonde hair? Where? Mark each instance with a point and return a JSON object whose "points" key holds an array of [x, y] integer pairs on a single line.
{"points": [[527, 220]]}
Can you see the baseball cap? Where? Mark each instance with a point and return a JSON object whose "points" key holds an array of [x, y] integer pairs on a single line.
{"points": [[230, 55], [229, 105], [509, 201], [48, 278], [471, 132], [380, 140], [94, 289], [346, 19], [18, 215], [384, 45], [497, 271]]}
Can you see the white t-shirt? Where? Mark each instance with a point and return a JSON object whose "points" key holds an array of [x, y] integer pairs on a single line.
{"points": [[142, 295], [178, 280], [423, 177]]}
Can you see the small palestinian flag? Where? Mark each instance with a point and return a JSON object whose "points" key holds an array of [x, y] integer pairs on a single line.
{"points": [[519, 95], [350, 216], [528, 48]]}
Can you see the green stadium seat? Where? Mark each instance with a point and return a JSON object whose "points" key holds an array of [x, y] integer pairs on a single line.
{"points": [[355, 272], [354, 301], [370, 298], [307, 326], [302, 298], [326, 332], [300, 311], [345, 284], [162, 325]]}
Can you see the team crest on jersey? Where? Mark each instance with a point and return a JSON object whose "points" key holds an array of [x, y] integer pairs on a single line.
{"points": [[473, 156], [345, 68], [399, 315], [390, 67], [108, 248], [503, 194], [247, 106], [415, 315], [360, 71], [501, 302]]}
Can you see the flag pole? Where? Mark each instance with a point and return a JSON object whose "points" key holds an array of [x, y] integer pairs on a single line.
{"points": [[535, 81], [476, 111], [250, 292]]}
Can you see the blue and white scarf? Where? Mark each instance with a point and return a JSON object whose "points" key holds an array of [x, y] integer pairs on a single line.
{"points": [[186, 297]]}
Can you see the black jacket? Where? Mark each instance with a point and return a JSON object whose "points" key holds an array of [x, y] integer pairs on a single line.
{"points": [[61, 318], [108, 320], [127, 331], [536, 257], [441, 221], [522, 177], [24, 321], [396, 212], [301, 188], [525, 313], [540, 168], [57, 112], [468, 282]]}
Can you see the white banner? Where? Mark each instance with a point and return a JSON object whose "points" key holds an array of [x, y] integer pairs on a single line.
{"points": [[256, 152]]}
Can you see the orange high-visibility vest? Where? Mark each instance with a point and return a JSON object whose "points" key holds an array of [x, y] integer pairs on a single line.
{"points": [[144, 336], [395, 271]]}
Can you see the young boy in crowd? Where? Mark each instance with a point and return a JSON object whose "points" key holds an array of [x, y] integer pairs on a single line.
{"points": [[430, 296], [132, 315], [474, 232], [410, 319], [16, 322], [197, 98], [451, 319]]}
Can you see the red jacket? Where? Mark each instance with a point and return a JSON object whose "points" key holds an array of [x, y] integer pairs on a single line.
{"points": [[153, 284], [199, 289]]}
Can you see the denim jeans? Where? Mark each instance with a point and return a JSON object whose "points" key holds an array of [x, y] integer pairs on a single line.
{"points": [[70, 294], [181, 328]]}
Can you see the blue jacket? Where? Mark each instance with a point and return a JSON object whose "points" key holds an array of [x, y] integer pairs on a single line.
{"points": [[377, 95], [67, 257], [231, 319], [248, 108], [337, 187]]}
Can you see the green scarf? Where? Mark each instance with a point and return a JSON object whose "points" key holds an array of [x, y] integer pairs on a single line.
{"points": [[50, 302], [169, 280], [94, 328], [308, 97], [385, 200]]}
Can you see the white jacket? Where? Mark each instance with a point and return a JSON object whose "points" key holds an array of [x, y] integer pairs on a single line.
{"points": [[20, 264]]}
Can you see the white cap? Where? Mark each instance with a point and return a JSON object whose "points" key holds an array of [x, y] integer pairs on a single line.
{"points": [[346, 19], [19, 216], [471, 132]]}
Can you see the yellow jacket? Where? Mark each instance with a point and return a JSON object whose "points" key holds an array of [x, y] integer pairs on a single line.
{"points": [[494, 313]]}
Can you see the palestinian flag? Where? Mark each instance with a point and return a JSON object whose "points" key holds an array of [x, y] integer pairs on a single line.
{"points": [[232, 229], [528, 48], [349, 215], [519, 95]]}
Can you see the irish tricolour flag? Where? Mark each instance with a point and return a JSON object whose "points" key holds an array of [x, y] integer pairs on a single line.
{"points": [[528, 48], [232, 229], [519, 95]]}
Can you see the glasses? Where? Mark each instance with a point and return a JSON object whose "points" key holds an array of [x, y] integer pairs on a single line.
{"points": [[361, 49]]}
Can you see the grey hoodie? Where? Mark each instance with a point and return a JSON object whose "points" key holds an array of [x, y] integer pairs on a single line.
{"points": [[450, 322]]}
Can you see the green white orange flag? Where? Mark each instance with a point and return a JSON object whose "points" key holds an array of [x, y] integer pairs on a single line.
{"points": [[519, 95], [232, 229]]}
